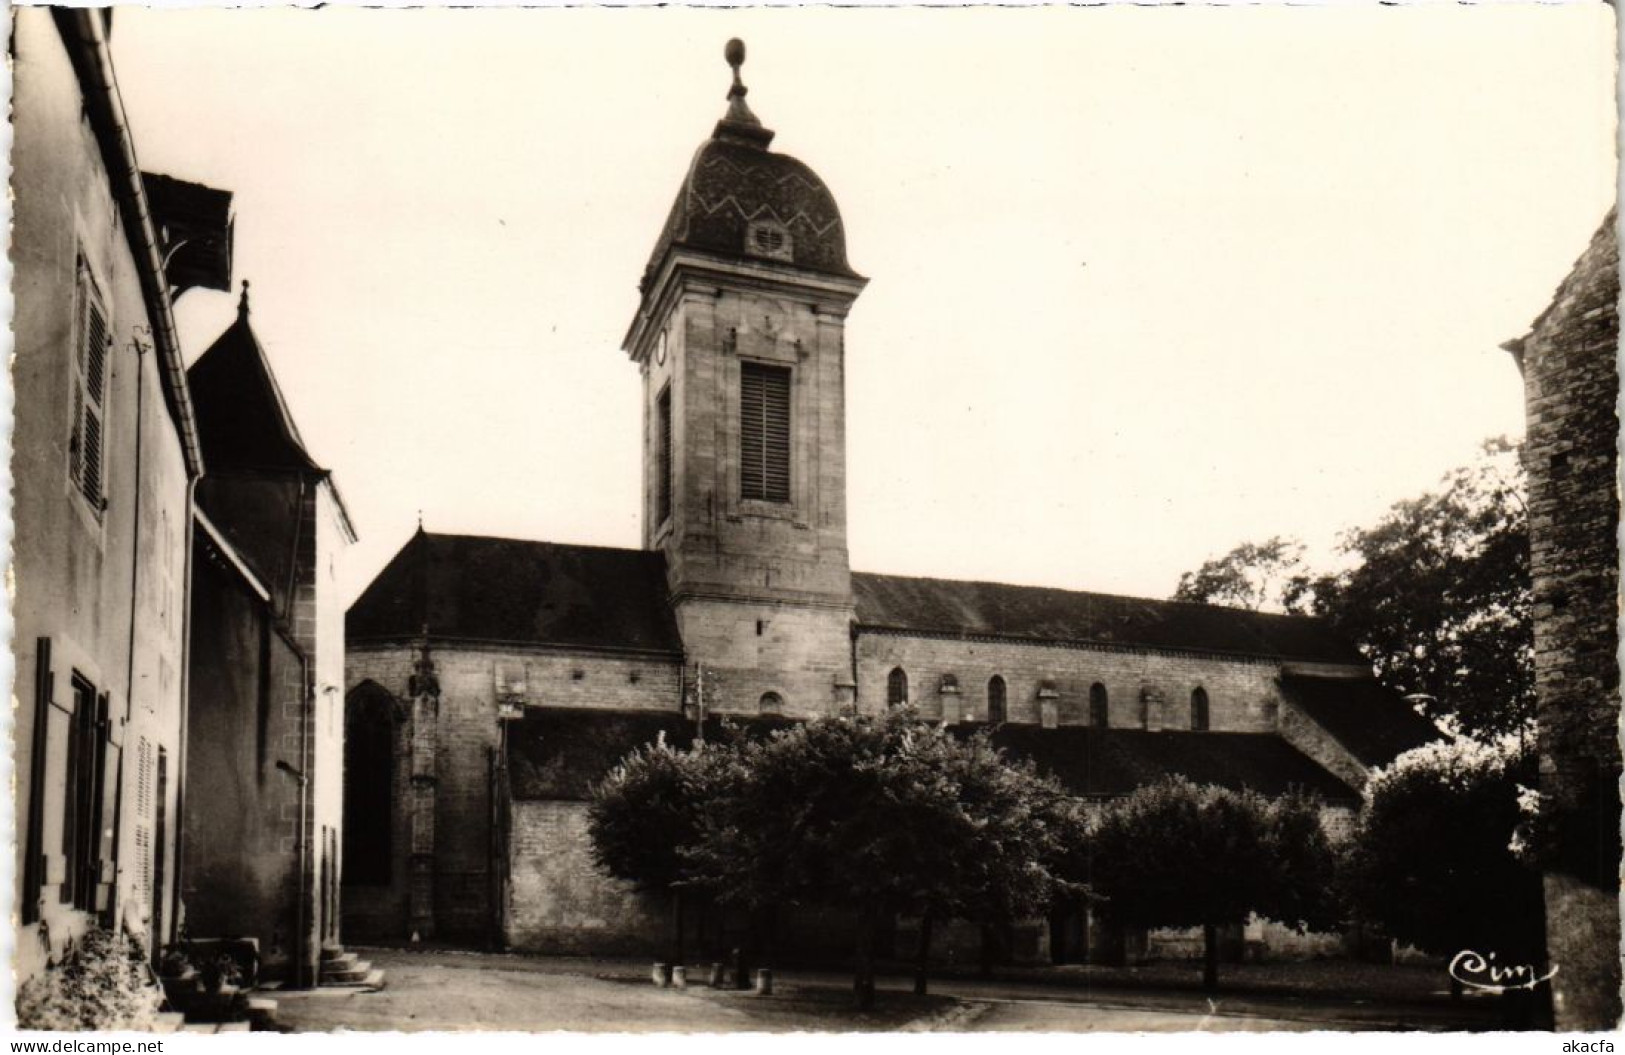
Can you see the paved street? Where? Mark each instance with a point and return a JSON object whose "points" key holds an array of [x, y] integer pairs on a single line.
{"points": [[463, 991]]}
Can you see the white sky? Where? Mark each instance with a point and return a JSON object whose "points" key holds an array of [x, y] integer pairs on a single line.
{"points": [[1145, 282]]}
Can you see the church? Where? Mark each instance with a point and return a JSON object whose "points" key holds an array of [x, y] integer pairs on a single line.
{"points": [[490, 682]]}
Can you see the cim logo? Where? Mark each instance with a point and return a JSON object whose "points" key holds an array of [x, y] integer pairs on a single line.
{"points": [[1482, 972]]}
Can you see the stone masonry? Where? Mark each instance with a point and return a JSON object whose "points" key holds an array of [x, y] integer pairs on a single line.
{"points": [[1571, 387]]}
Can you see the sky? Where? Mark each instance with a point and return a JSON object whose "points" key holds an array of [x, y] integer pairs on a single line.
{"points": [[1145, 282]]}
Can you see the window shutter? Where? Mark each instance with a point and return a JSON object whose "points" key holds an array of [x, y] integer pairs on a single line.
{"points": [[86, 443], [764, 432]]}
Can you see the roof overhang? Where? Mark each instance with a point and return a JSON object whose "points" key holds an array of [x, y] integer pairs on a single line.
{"points": [[195, 226]]}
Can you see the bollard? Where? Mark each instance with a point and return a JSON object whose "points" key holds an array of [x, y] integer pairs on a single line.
{"points": [[716, 976], [679, 977], [764, 982], [661, 975]]}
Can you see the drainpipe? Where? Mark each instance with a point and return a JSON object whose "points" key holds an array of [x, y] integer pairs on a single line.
{"points": [[188, 538], [129, 668]]}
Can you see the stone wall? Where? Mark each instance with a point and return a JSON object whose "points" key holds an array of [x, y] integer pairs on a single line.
{"points": [[561, 902], [1571, 385], [1145, 689], [467, 732]]}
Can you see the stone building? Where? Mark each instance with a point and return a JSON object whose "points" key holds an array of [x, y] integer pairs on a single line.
{"points": [[261, 850], [490, 682], [105, 455], [1569, 361]]}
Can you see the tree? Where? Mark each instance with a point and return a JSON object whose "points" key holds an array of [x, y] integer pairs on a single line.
{"points": [[1251, 576], [877, 816], [1175, 854], [1433, 860], [1436, 594], [1439, 597], [645, 814]]}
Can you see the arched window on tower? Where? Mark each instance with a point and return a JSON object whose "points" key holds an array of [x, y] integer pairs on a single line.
{"points": [[896, 688], [1098, 715], [1199, 709], [770, 703], [997, 709]]}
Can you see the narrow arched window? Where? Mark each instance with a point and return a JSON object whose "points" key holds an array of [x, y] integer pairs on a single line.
{"points": [[369, 785], [771, 703], [1199, 709], [896, 688], [1098, 716], [997, 711]]}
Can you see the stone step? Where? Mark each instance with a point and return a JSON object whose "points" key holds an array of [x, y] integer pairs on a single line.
{"points": [[355, 974], [332, 952], [372, 978], [343, 962]]}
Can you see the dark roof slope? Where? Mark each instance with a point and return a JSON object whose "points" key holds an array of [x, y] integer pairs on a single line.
{"points": [[1373, 723], [243, 421], [560, 753], [892, 602], [1106, 762], [472, 588]]}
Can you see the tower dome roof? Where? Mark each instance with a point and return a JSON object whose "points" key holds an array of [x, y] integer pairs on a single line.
{"points": [[741, 199]]}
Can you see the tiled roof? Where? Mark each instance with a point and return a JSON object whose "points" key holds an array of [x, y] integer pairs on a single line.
{"points": [[560, 753], [1371, 722], [942, 606], [730, 185], [243, 421], [1108, 762], [510, 591]]}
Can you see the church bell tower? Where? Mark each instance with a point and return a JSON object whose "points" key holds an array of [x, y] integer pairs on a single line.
{"points": [[739, 338]]}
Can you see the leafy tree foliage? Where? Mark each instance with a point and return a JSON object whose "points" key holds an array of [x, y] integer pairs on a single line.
{"points": [[1433, 859], [1175, 854], [1251, 576], [1436, 594], [873, 816], [645, 813]]}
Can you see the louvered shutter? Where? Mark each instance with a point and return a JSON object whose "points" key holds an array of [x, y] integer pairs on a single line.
{"points": [[764, 432], [87, 445]]}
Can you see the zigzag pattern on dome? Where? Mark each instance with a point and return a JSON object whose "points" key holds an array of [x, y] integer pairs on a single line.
{"points": [[730, 185]]}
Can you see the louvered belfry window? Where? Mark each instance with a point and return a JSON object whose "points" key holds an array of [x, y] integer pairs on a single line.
{"points": [[664, 439], [86, 445], [764, 432]]}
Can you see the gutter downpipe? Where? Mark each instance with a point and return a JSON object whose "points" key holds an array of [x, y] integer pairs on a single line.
{"points": [[190, 542]]}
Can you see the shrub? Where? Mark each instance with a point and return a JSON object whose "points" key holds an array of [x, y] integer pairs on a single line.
{"points": [[102, 983]]}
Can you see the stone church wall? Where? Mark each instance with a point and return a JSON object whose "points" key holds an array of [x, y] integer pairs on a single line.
{"points": [[1243, 695], [749, 650], [561, 902], [467, 733]]}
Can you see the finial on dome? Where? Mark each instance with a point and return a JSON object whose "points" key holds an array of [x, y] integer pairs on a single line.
{"points": [[739, 123], [734, 52], [242, 302]]}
